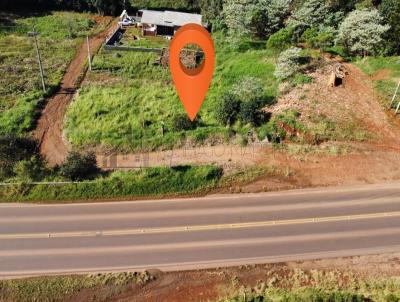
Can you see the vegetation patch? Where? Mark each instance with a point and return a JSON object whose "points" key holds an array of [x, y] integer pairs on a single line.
{"points": [[386, 71], [63, 288], [146, 182], [21, 93], [138, 107], [314, 286]]}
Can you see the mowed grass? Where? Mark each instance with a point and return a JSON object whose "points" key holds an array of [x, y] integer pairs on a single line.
{"points": [[127, 99], [20, 87], [390, 66]]}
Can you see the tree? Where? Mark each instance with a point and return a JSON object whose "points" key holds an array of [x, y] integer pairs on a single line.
{"points": [[278, 11], [260, 18], [105, 7], [362, 31], [311, 13], [238, 16], [390, 10], [227, 110], [211, 9], [79, 166]]}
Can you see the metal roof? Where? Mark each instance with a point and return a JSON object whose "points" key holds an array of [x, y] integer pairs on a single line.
{"points": [[169, 18]]}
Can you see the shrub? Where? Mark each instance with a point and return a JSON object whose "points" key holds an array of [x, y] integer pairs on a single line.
{"points": [[319, 38], [248, 89], [281, 40], [14, 149], [227, 109], [250, 112], [183, 123], [289, 63], [32, 169], [79, 166]]}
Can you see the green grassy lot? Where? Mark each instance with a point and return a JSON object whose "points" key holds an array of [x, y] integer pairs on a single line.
{"points": [[20, 90], [387, 85], [127, 99]]}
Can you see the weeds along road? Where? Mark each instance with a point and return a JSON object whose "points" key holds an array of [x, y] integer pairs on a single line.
{"points": [[196, 233]]}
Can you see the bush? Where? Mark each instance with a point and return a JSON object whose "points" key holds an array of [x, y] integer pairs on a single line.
{"points": [[289, 63], [32, 169], [281, 40], [227, 109], [319, 38], [250, 112], [79, 166], [14, 149], [248, 89], [183, 123]]}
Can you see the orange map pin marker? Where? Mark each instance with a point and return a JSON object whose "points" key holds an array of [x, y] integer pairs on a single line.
{"points": [[192, 84]]}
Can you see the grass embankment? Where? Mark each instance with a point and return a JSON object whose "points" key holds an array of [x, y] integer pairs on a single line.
{"points": [[98, 287], [149, 182], [387, 72], [127, 99], [296, 285], [21, 92]]}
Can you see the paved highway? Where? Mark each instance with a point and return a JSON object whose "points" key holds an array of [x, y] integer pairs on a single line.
{"points": [[197, 233]]}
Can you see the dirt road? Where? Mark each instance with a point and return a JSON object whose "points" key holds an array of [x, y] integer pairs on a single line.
{"points": [[49, 130]]}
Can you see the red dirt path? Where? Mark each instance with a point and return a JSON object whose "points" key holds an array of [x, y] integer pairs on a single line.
{"points": [[49, 129]]}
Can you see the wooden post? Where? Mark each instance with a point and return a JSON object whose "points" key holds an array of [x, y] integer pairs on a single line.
{"points": [[89, 56], [395, 94]]}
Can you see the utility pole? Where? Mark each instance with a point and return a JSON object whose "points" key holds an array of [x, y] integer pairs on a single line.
{"points": [[34, 35], [89, 56]]}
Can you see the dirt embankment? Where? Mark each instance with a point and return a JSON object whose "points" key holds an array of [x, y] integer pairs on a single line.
{"points": [[49, 129]]}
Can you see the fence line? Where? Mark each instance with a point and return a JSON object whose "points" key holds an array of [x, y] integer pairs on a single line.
{"points": [[42, 183], [128, 48]]}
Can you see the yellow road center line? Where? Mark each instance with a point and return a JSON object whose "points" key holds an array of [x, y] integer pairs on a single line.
{"points": [[194, 228]]}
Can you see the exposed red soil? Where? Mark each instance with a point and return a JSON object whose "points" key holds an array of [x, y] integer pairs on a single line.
{"points": [[49, 129], [214, 284]]}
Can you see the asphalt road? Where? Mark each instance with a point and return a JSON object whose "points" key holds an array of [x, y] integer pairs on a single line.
{"points": [[197, 233]]}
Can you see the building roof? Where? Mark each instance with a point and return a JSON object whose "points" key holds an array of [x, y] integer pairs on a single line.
{"points": [[169, 18]]}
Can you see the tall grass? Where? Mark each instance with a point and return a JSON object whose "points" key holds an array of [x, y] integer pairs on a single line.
{"points": [[145, 182]]}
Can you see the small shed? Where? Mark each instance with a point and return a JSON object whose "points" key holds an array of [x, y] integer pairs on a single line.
{"points": [[165, 23]]}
